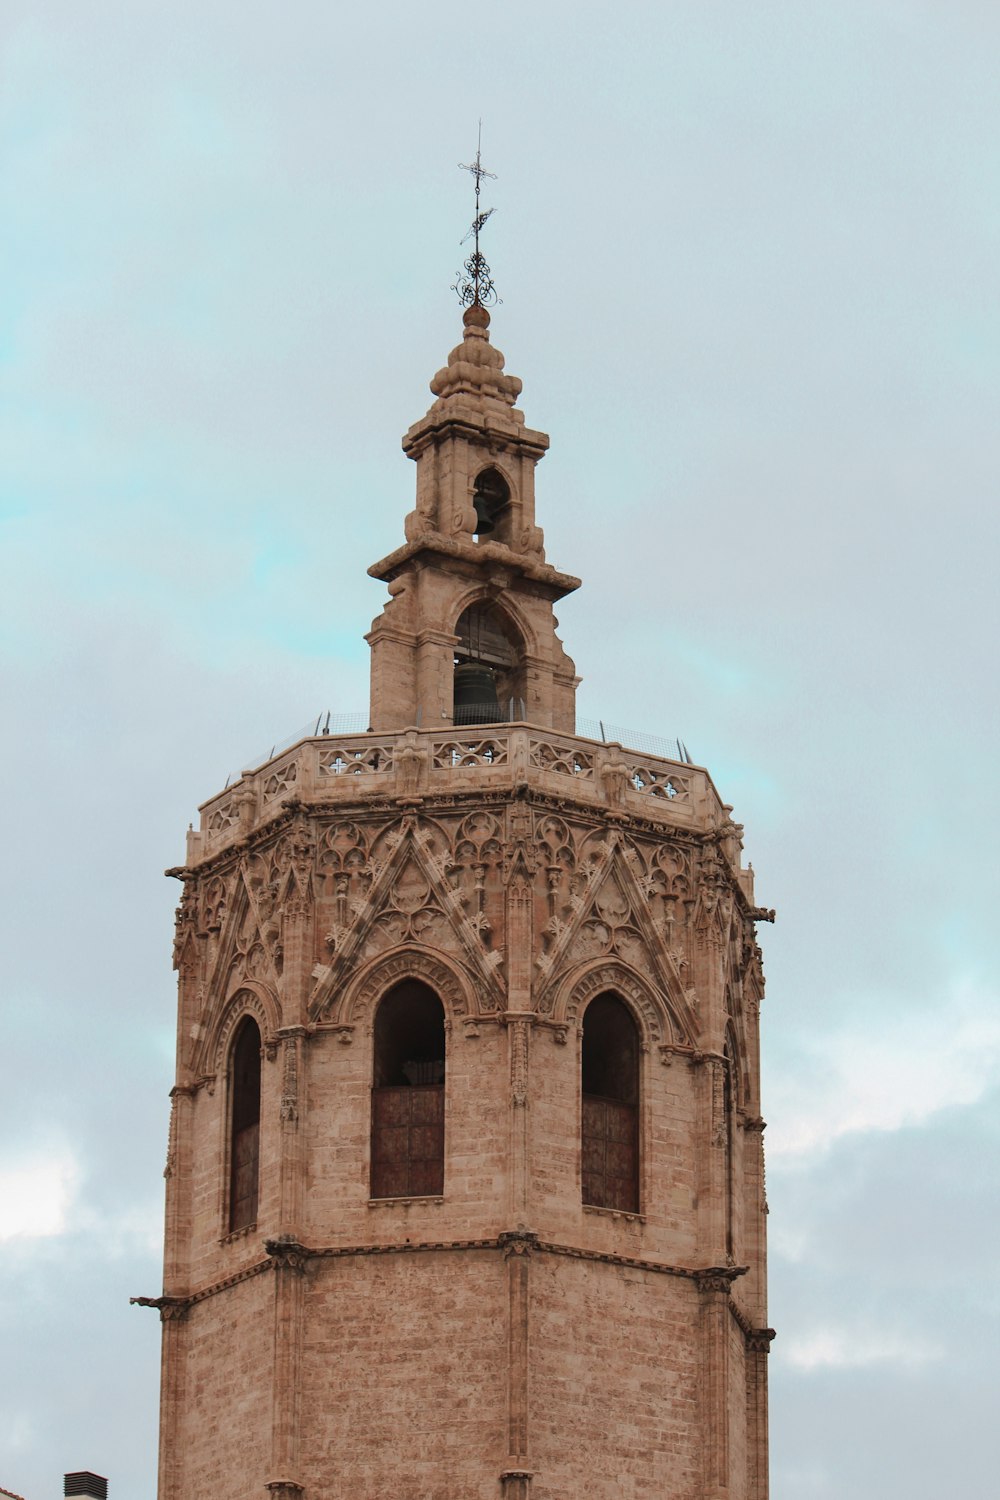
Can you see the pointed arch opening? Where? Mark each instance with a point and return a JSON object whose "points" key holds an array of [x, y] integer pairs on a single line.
{"points": [[490, 676], [244, 1126], [407, 1149], [492, 500], [610, 1106], [729, 1090]]}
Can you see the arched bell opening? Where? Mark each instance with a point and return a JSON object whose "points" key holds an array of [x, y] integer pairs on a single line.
{"points": [[489, 668], [408, 1094], [609, 1121], [244, 1126], [494, 511]]}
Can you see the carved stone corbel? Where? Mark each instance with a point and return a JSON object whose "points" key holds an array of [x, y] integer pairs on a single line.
{"points": [[718, 1278], [287, 1254], [171, 1309], [516, 1483], [759, 1340], [517, 1242]]}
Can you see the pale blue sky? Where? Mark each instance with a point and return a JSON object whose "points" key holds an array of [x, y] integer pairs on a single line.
{"points": [[748, 260]]}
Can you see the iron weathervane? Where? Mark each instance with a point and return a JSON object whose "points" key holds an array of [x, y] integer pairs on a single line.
{"points": [[475, 288]]}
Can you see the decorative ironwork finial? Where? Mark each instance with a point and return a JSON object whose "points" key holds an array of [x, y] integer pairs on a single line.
{"points": [[475, 287]]}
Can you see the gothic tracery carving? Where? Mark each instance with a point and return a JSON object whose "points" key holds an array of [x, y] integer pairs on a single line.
{"points": [[361, 997]]}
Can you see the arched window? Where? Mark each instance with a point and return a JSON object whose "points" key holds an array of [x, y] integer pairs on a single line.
{"points": [[491, 498], [610, 1114], [244, 1117], [728, 1093], [489, 668], [408, 1094]]}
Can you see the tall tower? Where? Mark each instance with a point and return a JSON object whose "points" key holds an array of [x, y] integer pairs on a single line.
{"points": [[465, 1188]]}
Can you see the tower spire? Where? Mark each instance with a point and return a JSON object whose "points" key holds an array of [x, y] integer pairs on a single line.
{"points": [[475, 287]]}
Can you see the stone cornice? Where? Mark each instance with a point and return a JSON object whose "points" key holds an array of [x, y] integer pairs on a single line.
{"points": [[431, 543], [431, 803], [290, 1254], [493, 431]]}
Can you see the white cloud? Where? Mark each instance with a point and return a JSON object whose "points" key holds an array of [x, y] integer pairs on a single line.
{"points": [[136, 1229], [840, 1348], [884, 1072], [36, 1195], [17, 1432]]}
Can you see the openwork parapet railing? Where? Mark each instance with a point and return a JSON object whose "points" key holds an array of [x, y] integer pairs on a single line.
{"points": [[329, 723], [411, 764]]}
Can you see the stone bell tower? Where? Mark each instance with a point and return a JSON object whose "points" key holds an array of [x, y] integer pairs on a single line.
{"points": [[465, 1190]]}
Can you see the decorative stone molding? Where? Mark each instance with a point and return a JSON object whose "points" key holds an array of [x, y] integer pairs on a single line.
{"points": [[516, 1483], [612, 974], [455, 991], [411, 768], [759, 1340], [614, 774], [718, 1278], [519, 1062], [517, 1242], [289, 1108], [251, 998], [287, 1254], [422, 886], [171, 1309], [670, 1050]]}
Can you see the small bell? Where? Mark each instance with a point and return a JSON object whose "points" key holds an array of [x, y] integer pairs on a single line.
{"points": [[484, 521], [476, 694]]}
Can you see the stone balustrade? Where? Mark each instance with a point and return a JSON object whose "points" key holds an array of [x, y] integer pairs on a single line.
{"points": [[415, 763]]}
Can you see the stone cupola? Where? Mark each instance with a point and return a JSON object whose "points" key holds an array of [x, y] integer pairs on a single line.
{"points": [[471, 591]]}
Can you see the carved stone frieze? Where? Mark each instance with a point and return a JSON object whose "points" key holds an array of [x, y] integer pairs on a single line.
{"points": [[420, 885], [609, 916]]}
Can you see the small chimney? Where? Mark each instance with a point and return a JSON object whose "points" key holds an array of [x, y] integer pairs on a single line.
{"points": [[90, 1485]]}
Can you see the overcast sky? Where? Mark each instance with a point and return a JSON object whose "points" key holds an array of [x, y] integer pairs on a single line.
{"points": [[748, 260]]}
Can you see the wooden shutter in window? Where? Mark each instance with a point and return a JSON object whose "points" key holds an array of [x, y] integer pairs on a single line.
{"points": [[246, 1171], [610, 1147], [408, 1141]]}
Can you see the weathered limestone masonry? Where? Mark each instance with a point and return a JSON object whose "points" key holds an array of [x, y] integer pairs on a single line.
{"points": [[567, 1296]]}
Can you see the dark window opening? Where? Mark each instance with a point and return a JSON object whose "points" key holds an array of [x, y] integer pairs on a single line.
{"points": [[610, 1113], [489, 669], [727, 1104], [408, 1094], [491, 498], [244, 1174]]}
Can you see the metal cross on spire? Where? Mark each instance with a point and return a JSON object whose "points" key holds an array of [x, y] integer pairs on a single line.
{"points": [[475, 287]]}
